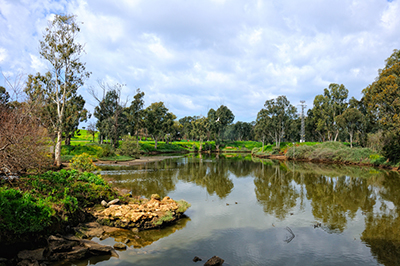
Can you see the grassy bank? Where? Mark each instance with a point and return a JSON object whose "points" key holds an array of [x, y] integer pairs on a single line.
{"points": [[338, 152]]}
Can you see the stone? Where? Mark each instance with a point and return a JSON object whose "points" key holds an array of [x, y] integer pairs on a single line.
{"points": [[32, 255], [214, 261], [113, 202], [119, 246], [58, 244], [104, 203], [88, 230], [196, 259]]}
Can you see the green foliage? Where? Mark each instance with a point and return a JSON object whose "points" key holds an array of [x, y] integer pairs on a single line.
{"points": [[43, 199], [106, 151], [83, 163], [21, 212], [129, 147]]}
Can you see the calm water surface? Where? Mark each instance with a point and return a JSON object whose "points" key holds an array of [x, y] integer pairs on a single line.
{"points": [[259, 212]]}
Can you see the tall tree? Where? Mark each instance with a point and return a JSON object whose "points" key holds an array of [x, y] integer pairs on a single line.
{"points": [[224, 118], [326, 107], [352, 120], [281, 113], [200, 130], [262, 126], [187, 126], [111, 121], [135, 115], [158, 121], [62, 51]]}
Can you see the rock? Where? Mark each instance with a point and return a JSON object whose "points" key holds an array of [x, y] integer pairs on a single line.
{"points": [[32, 255], [88, 230], [28, 263], [135, 230], [104, 203], [113, 202], [119, 246], [196, 259], [58, 244], [214, 261], [126, 241]]}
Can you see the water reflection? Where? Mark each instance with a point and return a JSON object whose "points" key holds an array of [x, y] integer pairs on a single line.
{"points": [[361, 200]]}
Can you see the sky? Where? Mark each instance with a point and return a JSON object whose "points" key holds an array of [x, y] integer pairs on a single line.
{"points": [[196, 55]]}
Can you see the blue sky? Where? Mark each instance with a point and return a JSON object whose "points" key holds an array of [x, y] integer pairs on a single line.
{"points": [[196, 55]]}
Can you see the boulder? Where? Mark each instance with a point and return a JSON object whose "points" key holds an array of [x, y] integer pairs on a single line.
{"points": [[119, 246], [214, 261], [104, 203], [32, 255], [113, 202]]}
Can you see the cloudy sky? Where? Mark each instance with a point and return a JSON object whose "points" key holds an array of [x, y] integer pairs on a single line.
{"points": [[196, 55]]}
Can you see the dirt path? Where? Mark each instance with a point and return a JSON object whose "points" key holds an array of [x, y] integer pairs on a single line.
{"points": [[142, 160]]}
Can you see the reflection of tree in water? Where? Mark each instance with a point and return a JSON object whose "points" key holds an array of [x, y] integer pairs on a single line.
{"points": [[213, 175], [382, 229], [335, 199], [146, 179], [275, 190]]}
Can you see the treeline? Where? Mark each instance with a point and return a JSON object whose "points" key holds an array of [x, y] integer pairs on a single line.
{"points": [[52, 103]]}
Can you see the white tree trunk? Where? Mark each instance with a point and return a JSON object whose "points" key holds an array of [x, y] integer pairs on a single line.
{"points": [[57, 152]]}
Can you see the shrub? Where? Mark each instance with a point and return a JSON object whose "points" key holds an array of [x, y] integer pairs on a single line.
{"points": [[129, 147], [83, 163], [20, 212], [106, 151]]}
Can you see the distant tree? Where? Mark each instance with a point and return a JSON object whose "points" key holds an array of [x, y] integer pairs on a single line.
{"points": [[326, 107], [280, 114], [75, 113], [352, 120], [261, 128], [224, 118], [91, 129], [212, 124], [158, 120], [242, 130], [62, 51], [200, 130], [187, 126], [111, 121], [135, 115]]}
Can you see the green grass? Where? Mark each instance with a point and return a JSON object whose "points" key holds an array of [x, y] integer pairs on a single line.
{"points": [[337, 152]]}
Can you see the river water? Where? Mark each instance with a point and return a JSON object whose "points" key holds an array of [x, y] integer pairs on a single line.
{"points": [[261, 212]]}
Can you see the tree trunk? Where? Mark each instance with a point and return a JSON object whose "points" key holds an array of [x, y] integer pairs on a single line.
{"points": [[57, 152], [262, 149], [155, 143], [351, 139]]}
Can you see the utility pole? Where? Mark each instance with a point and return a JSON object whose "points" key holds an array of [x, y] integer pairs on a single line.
{"points": [[303, 130]]}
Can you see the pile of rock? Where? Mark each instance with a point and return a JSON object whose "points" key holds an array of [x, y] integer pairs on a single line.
{"points": [[63, 248], [146, 215]]}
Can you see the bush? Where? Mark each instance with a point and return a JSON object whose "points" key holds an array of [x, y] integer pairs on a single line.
{"points": [[106, 151], [83, 163], [20, 212], [129, 147]]}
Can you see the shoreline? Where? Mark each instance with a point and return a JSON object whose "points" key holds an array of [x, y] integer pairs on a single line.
{"points": [[326, 161]]}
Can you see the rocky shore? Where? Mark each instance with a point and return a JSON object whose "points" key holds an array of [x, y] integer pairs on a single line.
{"points": [[110, 217]]}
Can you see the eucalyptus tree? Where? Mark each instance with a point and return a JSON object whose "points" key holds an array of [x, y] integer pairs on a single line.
{"points": [[135, 115], [111, 120], [382, 99], [199, 129], [243, 130], [225, 117], [352, 120], [187, 126], [276, 117], [158, 121], [326, 107], [63, 53]]}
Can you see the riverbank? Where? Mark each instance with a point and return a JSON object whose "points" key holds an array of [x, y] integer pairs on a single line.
{"points": [[331, 153], [35, 207]]}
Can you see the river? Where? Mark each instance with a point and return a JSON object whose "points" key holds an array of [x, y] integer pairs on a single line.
{"points": [[261, 212]]}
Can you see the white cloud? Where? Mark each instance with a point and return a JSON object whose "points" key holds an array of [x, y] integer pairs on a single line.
{"points": [[196, 55]]}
